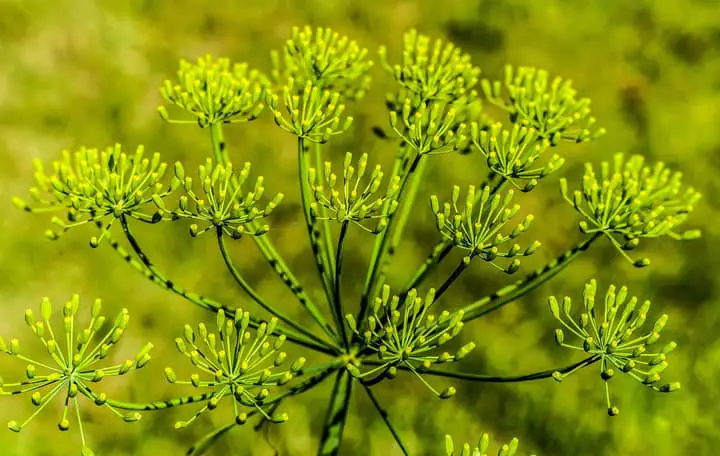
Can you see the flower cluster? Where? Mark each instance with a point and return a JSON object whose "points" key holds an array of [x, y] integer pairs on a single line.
{"points": [[508, 449], [403, 332], [325, 60], [95, 185], [476, 227], [235, 363], [75, 357], [429, 128], [551, 108], [224, 205], [611, 339], [632, 201], [513, 154], [215, 92], [354, 204], [315, 114]]}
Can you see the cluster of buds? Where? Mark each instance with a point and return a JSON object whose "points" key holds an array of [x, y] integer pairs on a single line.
{"points": [[224, 205], [96, 185], [481, 449], [476, 227], [403, 332], [513, 154], [214, 91], [76, 356], [611, 339], [324, 59], [437, 72], [551, 108], [355, 204], [235, 363], [436, 100], [314, 115], [629, 201]]}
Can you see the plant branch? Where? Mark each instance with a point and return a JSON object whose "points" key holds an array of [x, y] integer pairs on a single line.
{"points": [[207, 304], [336, 415], [257, 298], [337, 301], [384, 415], [498, 379], [525, 285], [464, 264]]}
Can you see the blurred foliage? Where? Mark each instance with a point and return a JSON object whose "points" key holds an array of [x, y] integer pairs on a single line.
{"points": [[87, 72]]}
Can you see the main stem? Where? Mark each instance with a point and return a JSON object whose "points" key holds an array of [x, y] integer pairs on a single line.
{"points": [[336, 415]]}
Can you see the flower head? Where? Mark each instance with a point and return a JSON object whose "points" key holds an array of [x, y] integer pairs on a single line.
{"points": [[96, 185], [432, 71], [224, 204], [324, 59], [476, 228], [235, 363], [513, 154], [353, 203], [550, 107], [612, 341], [630, 201], [315, 114], [403, 332], [75, 357], [215, 92]]}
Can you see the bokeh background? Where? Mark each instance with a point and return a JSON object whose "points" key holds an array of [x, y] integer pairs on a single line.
{"points": [[84, 72]]}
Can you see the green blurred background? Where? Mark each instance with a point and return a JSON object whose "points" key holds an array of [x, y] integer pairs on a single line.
{"points": [[84, 72]]}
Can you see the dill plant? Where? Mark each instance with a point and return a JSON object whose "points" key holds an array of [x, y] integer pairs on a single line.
{"points": [[436, 109]]}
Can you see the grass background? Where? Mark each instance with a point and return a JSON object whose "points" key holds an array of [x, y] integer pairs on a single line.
{"points": [[83, 72]]}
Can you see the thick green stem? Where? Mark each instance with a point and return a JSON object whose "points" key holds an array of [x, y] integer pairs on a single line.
{"points": [[406, 209], [336, 415], [258, 299], [268, 251], [498, 379], [381, 245], [337, 302], [317, 244], [220, 152], [322, 212], [523, 286], [155, 276], [385, 417]]}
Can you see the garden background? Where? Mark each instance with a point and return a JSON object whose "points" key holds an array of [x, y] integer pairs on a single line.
{"points": [[84, 72]]}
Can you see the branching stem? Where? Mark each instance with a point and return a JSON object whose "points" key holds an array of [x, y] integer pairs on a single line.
{"points": [[386, 418]]}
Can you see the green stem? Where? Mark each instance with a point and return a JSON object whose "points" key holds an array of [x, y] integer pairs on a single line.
{"points": [[159, 405], [268, 251], [381, 241], [530, 282], [324, 222], [384, 415], [258, 299], [218, 144], [201, 446], [464, 263], [317, 244], [406, 208], [337, 302], [499, 379], [155, 276], [336, 415]]}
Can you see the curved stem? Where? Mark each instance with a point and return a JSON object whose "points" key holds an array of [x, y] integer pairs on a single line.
{"points": [[214, 306], [319, 249], [202, 445], [381, 241], [500, 379], [337, 301], [336, 415], [257, 298], [384, 415], [523, 286], [268, 251]]}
